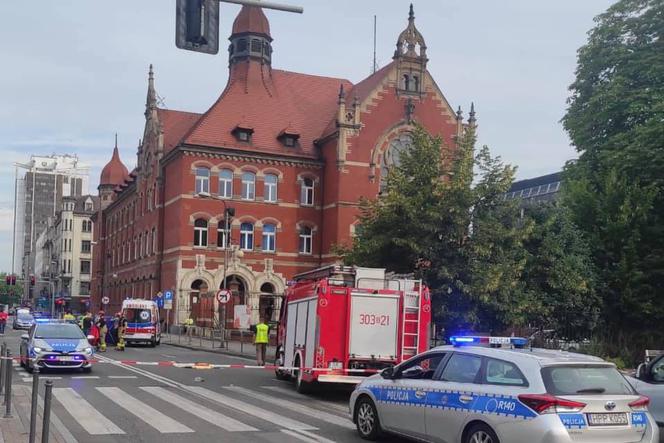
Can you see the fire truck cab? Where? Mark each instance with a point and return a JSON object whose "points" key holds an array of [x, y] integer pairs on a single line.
{"points": [[339, 324]]}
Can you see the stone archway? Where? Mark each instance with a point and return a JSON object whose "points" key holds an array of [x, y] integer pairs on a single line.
{"points": [[240, 297]]}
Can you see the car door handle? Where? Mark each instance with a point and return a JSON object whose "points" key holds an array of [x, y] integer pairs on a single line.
{"points": [[420, 394], [465, 398]]}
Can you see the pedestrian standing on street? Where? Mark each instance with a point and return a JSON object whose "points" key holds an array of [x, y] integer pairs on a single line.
{"points": [[69, 317], [122, 329], [87, 323], [114, 327], [189, 327], [103, 329], [3, 320], [262, 331]]}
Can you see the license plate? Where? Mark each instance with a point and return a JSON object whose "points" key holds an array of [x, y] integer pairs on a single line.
{"points": [[613, 419], [66, 358]]}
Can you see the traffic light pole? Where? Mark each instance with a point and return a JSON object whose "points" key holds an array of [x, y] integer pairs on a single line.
{"points": [[267, 5]]}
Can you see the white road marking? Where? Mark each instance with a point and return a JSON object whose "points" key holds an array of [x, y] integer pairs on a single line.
{"points": [[217, 419], [93, 377], [296, 407], [88, 417], [306, 436], [322, 404], [256, 411], [145, 412], [123, 376]]}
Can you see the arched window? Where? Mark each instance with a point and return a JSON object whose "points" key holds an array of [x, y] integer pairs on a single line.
{"points": [[248, 186], [200, 232], [307, 192], [306, 240], [226, 183], [222, 234], [202, 180], [269, 237], [247, 236], [406, 82], [270, 190], [415, 84]]}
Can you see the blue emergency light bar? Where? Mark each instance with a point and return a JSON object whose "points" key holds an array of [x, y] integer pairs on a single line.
{"points": [[517, 342]]}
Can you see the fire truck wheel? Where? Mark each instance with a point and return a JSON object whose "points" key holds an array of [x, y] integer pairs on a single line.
{"points": [[279, 361], [366, 419], [301, 386]]}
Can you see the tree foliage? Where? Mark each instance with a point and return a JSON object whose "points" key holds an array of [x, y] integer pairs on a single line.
{"points": [[615, 189], [444, 216]]}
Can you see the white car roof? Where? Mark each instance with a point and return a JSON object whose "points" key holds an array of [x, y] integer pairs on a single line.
{"points": [[544, 357]]}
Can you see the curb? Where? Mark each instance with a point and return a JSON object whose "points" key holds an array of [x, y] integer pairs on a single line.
{"points": [[214, 351]]}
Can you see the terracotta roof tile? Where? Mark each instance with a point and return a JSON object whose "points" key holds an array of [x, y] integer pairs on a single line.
{"points": [[115, 172], [251, 19], [269, 103], [175, 124]]}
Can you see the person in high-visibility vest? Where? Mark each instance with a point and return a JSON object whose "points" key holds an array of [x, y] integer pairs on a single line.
{"points": [[262, 331], [189, 327], [69, 317]]}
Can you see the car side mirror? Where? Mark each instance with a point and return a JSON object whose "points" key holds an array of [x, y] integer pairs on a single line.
{"points": [[25, 337], [642, 371], [387, 373]]}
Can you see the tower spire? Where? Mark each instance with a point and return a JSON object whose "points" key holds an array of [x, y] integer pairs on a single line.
{"points": [[410, 39], [116, 141], [151, 100], [472, 120]]}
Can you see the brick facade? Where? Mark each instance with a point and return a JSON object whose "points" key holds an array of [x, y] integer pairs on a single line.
{"points": [[272, 128]]}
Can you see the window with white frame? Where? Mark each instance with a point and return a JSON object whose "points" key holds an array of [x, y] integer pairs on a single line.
{"points": [[247, 236], [269, 237], [222, 234], [307, 192], [154, 240], [226, 183], [148, 238], [306, 240], [248, 186], [270, 189], [202, 180], [200, 232]]}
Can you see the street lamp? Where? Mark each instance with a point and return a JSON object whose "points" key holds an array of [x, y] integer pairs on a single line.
{"points": [[228, 213]]}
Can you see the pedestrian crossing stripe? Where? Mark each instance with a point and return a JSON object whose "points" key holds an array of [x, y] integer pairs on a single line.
{"points": [[94, 421]]}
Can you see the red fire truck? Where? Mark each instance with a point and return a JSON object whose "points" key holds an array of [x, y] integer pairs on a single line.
{"points": [[339, 324]]}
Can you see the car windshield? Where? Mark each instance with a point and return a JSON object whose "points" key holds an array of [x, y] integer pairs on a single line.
{"points": [[585, 380], [25, 317], [59, 331], [138, 315]]}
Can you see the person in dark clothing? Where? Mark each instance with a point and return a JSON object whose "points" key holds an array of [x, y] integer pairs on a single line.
{"points": [[103, 329], [87, 323]]}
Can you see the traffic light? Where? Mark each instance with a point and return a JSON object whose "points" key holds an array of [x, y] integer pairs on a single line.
{"points": [[10, 280], [197, 25]]}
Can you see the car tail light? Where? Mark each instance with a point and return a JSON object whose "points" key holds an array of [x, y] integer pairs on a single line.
{"points": [[641, 404], [548, 404]]}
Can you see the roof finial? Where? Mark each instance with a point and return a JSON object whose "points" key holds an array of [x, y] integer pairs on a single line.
{"points": [[151, 101], [411, 13], [116, 140], [471, 118], [342, 94], [459, 114]]}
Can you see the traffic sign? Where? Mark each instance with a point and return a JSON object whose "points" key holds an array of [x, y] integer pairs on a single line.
{"points": [[160, 302], [105, 300], [168, 300], [223, 295]]}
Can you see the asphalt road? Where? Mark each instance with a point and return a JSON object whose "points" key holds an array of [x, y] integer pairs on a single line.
{"points": [[124, 403]]}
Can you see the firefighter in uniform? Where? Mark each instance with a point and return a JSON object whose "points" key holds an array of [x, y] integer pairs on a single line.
{"points": [[122, 329], [262, 331], [103, 329]]}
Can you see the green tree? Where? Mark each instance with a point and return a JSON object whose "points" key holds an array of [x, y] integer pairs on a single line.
{"points": [[443, 216], [9, 294], [615, 189]]}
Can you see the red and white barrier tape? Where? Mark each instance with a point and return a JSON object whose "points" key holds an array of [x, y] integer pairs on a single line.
{"points": [[205, 365]]}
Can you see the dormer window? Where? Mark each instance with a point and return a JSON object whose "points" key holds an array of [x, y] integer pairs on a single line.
{"points": [[289, 137], [242, 132], [410, 83]]}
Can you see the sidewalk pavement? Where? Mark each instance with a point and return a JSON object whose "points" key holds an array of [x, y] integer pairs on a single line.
{"points": [[235, 348], [17, 428]]}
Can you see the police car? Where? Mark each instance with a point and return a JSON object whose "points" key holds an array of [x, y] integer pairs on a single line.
{"points": [[502, 392], [52, 344]]}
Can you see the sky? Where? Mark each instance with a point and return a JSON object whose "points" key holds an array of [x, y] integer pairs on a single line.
{"points": [[74, 72]]}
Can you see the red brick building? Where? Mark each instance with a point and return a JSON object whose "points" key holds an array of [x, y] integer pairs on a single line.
{"points": [[290, 153]]}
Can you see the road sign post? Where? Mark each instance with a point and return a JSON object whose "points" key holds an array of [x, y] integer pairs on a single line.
{"points": [[168, 305]]}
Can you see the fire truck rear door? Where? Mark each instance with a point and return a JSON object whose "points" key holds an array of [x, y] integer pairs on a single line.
{"points": [[374, 320]]}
